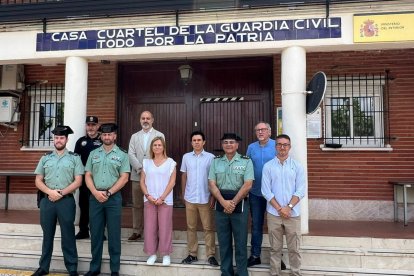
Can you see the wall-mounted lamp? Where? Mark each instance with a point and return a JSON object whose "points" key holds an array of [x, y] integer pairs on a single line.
{"points": [[186, 73]]}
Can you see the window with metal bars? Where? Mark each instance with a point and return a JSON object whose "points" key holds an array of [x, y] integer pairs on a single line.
{"points": [[356, 111], [45, 112]]}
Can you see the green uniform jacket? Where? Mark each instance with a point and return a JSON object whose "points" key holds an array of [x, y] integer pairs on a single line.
{"points": [[59, 171], [107, 167], [231, 175]]}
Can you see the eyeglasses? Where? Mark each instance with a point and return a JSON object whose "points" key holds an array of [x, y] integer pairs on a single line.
{"points": [[228, 142], [282, 145], [262, 129]]}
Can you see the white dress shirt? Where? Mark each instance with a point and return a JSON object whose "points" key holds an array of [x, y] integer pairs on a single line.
{"points": [[197, 168], [282, 181]]}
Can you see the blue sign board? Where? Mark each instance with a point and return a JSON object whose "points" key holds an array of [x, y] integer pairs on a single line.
{"points": [[219, 33]]}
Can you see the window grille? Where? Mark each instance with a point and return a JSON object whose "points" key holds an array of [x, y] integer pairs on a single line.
{"points": [[356, 111], [46, 112]]}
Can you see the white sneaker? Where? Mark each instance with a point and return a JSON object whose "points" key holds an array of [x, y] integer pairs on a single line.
{"points": [[166, 260], [151, 260]]}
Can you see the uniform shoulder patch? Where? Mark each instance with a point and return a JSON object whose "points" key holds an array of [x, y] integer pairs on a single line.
{"points": [[122, 150], [218, 156], [73, 153], [245, 157], [48, 153]]}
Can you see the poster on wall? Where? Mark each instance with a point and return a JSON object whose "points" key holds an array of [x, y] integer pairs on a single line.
{"points": [[313, 123], [279, 126]]}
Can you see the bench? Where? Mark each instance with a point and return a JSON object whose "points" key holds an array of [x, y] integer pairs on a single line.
{"points": [[404, 184], [8, 174]]}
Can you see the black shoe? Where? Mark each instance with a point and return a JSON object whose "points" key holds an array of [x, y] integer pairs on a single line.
{"points": [[134, 237], [40, 272], [92, 273], [212, 261], [114, 273], [282, 265], [189, 260], [82, 235], [73, 273], [253, 261]]}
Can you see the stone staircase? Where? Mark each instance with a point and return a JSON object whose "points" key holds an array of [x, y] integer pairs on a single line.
{"points": [[20, 247]]}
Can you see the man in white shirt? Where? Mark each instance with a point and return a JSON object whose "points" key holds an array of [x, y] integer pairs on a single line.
{"points": [[283, 186], [139, 149], [194, 179]]}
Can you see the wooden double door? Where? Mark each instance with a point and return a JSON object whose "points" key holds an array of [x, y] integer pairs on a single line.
{"points": [[228, 95]]}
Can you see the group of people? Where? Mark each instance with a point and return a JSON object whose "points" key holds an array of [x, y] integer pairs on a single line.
{"points": [[59, 173], [220, 190]]}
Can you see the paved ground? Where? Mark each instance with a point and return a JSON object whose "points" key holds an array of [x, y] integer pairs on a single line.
{"points": [[14, 272]]}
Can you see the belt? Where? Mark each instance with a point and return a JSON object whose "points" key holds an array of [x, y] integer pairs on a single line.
{"points": [[67, 195], [229, 194], [41, 195], [108, 194]]}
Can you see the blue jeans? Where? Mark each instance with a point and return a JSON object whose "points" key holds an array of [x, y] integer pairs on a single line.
{"points": [[257, 211]]}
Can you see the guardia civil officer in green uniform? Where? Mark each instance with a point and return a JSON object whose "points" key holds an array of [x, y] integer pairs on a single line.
{"points": [[106, 172], [58, 175], [230, 179]]}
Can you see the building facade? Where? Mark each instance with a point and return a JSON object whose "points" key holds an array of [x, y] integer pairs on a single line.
{"points": [[250, 61]]}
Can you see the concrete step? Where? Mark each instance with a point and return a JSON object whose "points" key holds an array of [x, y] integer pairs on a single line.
{"points": [[20, 247], [135, 266], [33, 242]]}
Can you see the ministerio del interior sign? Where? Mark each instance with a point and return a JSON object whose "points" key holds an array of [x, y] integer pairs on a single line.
{"points": [[219, 33], [391, 27]]}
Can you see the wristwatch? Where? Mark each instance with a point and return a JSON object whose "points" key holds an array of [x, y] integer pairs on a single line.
{"points": [[290, 205], [108, 193]]}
